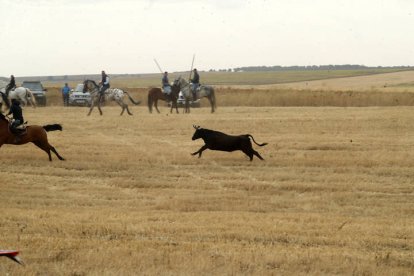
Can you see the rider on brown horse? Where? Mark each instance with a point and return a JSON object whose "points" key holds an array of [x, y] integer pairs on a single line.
{"points": [[18, 120], [166, 87]]}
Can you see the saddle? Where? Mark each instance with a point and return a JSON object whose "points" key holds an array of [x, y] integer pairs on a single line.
{"points": [[19, 130]]}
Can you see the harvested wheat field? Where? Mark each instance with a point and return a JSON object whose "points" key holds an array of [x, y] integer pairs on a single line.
{"points": [[334, 195]]}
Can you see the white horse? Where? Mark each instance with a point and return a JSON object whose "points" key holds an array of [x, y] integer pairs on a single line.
{"points": [[24, 95], [111, 94], [202, 91]]}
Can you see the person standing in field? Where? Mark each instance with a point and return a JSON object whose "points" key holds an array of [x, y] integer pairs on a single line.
{"points": [[195, 83], [65, 94], [166, 87], [11, 85]]}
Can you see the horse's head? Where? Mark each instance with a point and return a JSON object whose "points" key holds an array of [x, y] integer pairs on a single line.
{"points": [[89, 85], [181, 81], [176, 83]]}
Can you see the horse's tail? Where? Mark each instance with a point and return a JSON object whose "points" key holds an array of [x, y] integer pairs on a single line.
{"points": [[53, 127], [32, 98], [149, 101], [5, 99], [261, 145], [131, 99]]}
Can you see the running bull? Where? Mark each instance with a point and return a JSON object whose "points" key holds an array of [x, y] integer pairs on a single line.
{"points": [[216, 140]]}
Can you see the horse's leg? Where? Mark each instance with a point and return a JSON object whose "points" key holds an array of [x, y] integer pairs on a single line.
{"points": [[211, 103], [174, 104], [32, 102], [187, 105], [55, 152], [99, 106], [122, 105], [156, 105], [172, 107], [150, 103], [23, 100], [92, 106], [44, 146], [127, 109]]}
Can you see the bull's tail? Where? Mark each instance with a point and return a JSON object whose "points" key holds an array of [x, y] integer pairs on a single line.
{"points": [[5, 99], [53, 127], [32, 98], [261, 145], [131, 99]]}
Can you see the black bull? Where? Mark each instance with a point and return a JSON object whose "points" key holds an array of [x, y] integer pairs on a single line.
{"points": [[216, 140]]}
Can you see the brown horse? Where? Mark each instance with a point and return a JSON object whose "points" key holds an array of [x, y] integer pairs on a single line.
{"points": [[35, 134], [155, 94]]}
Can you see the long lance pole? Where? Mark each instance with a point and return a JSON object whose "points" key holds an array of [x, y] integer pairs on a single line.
{"points": [[159, 67], [191, 70]]}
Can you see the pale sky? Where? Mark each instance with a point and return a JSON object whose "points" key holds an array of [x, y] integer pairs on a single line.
{"points": [[62, 37]]}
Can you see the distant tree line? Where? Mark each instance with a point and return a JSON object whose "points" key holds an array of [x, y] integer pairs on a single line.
{"points": [[309, 68]]}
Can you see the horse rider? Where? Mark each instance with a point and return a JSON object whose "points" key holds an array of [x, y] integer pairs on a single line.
{"points": [[166, 87], [105, 84], [17, 123], [195, 81], [11, 85]]}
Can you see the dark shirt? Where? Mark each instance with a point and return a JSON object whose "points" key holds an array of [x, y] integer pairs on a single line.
{"points": [[12, 84], [196, 78], [17, 112], [105, 80]]}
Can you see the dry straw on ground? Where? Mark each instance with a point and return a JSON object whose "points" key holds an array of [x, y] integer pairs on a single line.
{"points": [[334, 195]]}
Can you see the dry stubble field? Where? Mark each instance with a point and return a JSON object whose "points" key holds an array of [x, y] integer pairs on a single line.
{"points": [[334, 195]]}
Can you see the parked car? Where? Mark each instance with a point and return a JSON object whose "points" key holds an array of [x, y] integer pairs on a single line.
{"points": [[78, 98], [38, 91], [181, 101]]}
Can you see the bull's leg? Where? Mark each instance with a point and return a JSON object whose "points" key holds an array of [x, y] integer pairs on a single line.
{"points": [[248, 153], [251, 152], [257, 154], [203, 148]]}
